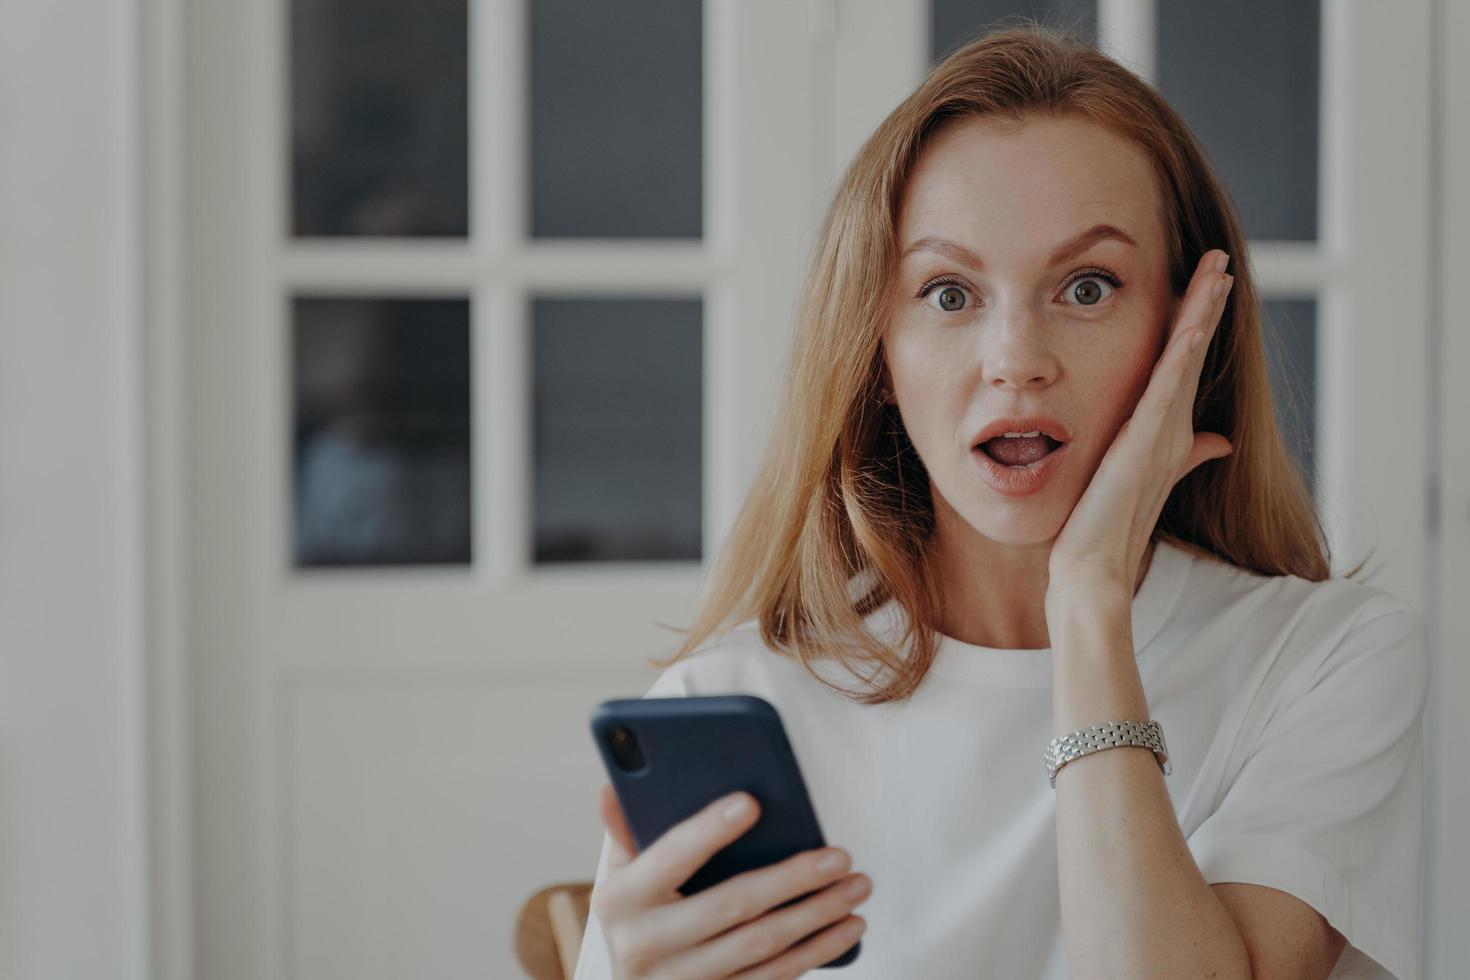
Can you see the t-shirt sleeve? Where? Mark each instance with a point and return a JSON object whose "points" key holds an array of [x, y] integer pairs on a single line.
{"points": [[594, 961], [1329, 802]]}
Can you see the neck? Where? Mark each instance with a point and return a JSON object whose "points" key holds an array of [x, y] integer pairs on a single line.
{"points": [[994, 594]]}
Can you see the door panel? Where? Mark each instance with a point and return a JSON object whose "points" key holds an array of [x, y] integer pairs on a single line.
{"points": [[455, 465]]}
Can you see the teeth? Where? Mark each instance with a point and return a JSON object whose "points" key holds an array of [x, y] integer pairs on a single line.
{"points": [[1022, 435]]}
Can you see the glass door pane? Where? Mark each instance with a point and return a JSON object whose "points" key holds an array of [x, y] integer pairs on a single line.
{"points": [[378, 97], [1245, 77], [953, 22], [617, 118]]}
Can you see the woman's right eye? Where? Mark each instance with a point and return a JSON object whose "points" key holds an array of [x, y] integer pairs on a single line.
{"points": [[949, 292]]}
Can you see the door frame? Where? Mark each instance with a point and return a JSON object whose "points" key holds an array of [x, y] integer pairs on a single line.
{"points": [[168, 597]]}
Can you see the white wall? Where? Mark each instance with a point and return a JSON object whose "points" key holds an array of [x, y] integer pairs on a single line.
{"points": [[73, 784]]}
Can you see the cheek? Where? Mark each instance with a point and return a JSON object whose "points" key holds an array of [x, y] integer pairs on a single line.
{"points": [[1111, 381], [915, 367], [928, 384]]}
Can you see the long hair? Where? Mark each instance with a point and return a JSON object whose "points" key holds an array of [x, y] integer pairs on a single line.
{"points": [[838, 520]]}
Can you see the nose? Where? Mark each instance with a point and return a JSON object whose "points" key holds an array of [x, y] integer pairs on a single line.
{"points": [[1014, 352]]}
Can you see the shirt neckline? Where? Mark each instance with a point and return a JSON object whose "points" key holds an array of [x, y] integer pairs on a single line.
{"points": [[1032, 668]]}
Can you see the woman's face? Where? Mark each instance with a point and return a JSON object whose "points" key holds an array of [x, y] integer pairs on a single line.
{"points": [[1026, 325]]}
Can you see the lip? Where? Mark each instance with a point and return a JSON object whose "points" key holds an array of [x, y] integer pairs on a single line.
{"points": [[1018, 481], [1024, 423]]}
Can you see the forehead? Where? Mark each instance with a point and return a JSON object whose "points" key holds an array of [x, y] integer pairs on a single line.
{"points": [[1029, 186]]}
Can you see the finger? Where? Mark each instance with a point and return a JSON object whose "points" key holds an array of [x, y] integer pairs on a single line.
{"points": [[1207, 446], [1210, 321], [812, 953], [1197, 300], [1176, 376], [749, 895], [769, 935], [685, 848], [621, 846], [1199, 341]]}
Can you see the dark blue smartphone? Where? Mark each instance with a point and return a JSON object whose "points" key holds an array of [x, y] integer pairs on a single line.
{"points": [[670, 757]]}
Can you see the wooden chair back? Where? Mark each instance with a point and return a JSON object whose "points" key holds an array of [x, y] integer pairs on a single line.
{"points": [[549, 930]]}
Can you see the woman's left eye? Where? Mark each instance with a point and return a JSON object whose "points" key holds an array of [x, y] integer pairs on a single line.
{"points": [[1083, 288]]}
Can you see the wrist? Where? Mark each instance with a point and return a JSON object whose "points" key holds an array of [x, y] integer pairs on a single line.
{"points": [[1086, 601], [1089, 624]]}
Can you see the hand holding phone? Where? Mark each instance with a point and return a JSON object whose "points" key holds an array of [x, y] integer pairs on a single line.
{"points": [[749, 925]]}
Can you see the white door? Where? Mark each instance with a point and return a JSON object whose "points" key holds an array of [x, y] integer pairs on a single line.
{"points": [[488, 308], [484, 342]]}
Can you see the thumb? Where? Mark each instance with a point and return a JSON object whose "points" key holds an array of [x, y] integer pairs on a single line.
{"points": [[621, 847], [1207, 446]]}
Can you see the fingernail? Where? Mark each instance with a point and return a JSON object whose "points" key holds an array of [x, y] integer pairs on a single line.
{"points": [[737, 809], [856, 888], [1221, 261], [1218, 291], [832, 862], [1194, 341]]}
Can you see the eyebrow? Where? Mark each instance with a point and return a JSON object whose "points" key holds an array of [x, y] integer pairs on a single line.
{"points": [[1068, 250]]}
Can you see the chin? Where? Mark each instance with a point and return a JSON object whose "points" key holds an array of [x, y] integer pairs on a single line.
{"points": [[1018, 532], [1024, 520]]}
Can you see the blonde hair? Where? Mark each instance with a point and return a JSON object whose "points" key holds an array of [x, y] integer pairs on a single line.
{"points": [[841, 490]]}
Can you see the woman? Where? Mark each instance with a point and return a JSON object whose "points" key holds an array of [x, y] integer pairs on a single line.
{"points": [[1029, 244]]}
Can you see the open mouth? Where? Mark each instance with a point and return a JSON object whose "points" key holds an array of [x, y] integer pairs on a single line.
{"points": [[1019, 451]]}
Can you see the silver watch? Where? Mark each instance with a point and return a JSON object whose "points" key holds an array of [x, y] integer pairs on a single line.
{"points": [[1064, 748]]}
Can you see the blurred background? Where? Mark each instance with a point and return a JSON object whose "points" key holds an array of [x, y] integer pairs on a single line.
{"points": [[377, 379]]}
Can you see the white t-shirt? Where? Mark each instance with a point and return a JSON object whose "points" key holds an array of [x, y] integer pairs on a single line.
{"points": [[1292, 712]]}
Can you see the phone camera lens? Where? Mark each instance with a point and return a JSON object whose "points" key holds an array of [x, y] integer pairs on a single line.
{"points": [[625, 749]]}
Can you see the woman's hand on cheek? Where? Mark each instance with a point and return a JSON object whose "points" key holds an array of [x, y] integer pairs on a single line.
{"points": [[1101, 546]]}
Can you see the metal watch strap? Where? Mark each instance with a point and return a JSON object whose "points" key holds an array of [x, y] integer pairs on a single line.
{"points": [[1146, 734]]}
